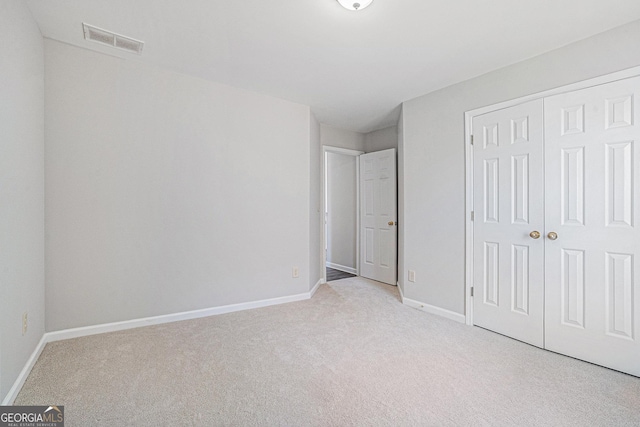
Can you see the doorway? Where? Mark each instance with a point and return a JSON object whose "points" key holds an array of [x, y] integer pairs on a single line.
{"points": [[360, 213], [341, 203]]}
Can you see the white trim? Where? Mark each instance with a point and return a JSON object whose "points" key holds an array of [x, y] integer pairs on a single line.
{"points": [[468, 124], [323, 238], [168, 318], [338, 150], [357, 272], [66, 334], [468, 154], [432, 309], [596, 81], [341, 268], [22, 377], [313, 290], [400, 291]]}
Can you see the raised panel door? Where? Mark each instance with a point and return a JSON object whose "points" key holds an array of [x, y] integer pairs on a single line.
{"points": [[591, 196], [378, 207], [508, 194]]}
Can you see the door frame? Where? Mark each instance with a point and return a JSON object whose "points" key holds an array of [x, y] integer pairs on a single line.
{"points": [[468, 154], [323, 238]]}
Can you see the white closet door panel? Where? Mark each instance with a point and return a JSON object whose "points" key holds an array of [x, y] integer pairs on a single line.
{"points": [[592, 190], [508, 194]]}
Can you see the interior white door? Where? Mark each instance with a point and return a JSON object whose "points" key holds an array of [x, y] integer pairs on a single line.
{"points": [[592, 189], [378, 207], [508, 266]]}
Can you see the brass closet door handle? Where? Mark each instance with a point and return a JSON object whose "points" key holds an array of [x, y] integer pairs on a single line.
{"points": [[552, 235], [535, 234]]}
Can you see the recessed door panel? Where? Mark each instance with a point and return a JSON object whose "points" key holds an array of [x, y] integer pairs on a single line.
{"points": [[619, 112], [520, 189], [619, 295], [491, 190], [385, 245], [520, 279], [619, 184], [368, 197], [572, 119], [491, 272], [572, 287], [369, 256], [385, 194], [520, 130], [490, 135], [572, 186]]}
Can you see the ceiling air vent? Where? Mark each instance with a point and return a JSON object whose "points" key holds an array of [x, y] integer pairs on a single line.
{"points": [[112, 39]]}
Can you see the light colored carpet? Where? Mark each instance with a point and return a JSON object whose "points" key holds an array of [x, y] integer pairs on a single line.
{"points": [[352, 355]]}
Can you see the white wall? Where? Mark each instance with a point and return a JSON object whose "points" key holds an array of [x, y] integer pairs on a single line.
{"points": [[342, 210], [167, 193], [21, 188], [315, 204], [341, 138], [433, 154], [382, 139]]}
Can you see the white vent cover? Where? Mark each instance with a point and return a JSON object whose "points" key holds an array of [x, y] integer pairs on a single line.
{"points": [[112, 39]]}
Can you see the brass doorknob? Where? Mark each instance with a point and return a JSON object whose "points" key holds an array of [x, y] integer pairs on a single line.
{"points": [[552, 235], [390, 222], [535, 234]]}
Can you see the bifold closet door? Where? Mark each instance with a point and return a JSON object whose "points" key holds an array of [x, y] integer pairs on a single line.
{"points": [[592, 168], [509, 214]]}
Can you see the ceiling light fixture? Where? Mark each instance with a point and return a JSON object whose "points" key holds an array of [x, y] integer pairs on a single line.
{"points": [[355, 4]]}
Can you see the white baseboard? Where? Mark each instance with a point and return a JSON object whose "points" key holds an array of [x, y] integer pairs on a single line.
{"points": [[22, 377], [432, 309], [400, 290], [342, 268], [168, 318], [315, 287], [66, 334]]}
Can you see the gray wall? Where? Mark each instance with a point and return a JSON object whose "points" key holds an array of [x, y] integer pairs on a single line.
{"points": [[21, 189], [376, 140], [382, 139], [341, 210], [167, 193], [433, 154], [315, 204], [341, 138]]}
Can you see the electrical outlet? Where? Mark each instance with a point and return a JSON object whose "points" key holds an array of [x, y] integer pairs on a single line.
{"points": [[412, 276], [25, 323], [295, 273]]}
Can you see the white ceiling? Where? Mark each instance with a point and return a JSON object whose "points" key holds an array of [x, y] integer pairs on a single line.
{"points": [[352, 68]]}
